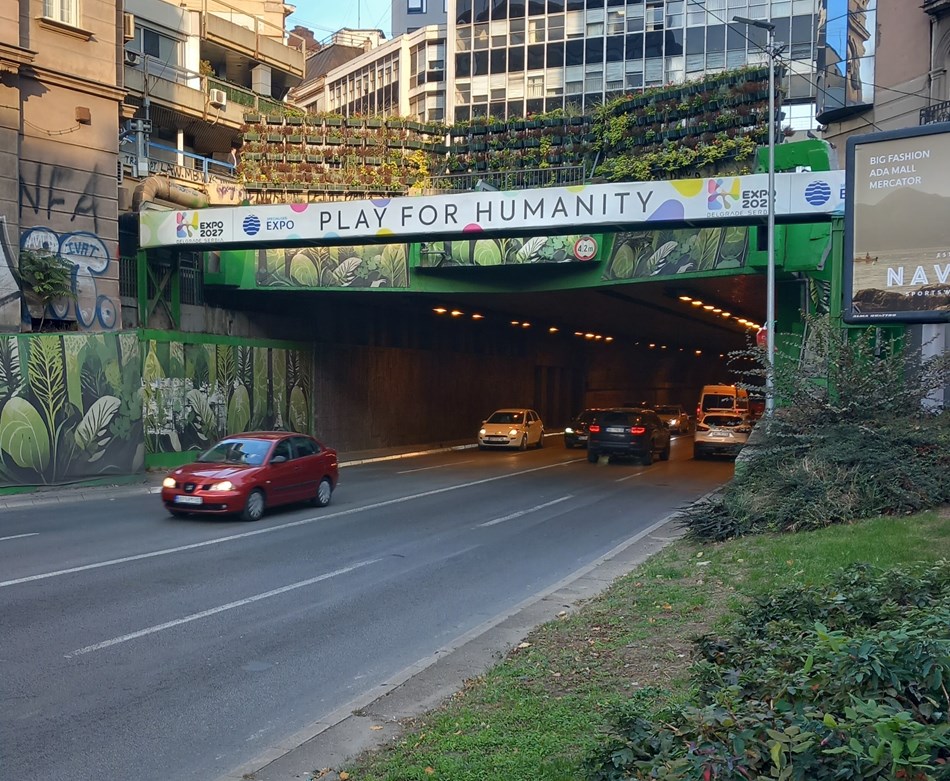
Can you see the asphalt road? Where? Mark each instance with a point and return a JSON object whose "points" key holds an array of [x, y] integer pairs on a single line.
{"points": [[137, 646]]}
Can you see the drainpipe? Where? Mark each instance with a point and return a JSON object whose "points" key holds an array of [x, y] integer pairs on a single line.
{"points": [[159, 187]]}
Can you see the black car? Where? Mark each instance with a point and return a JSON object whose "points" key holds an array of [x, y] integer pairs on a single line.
{"points": [[628, 431], [575, 434]]}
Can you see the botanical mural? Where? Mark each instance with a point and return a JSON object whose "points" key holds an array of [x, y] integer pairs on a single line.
{"points": [[509, 251], [195, 393], [70, 407], [669, 252], [374, 265]]}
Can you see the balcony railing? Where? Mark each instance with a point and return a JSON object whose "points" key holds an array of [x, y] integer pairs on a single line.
{"points": [[168, 161], [521, 179], [939, 112]]}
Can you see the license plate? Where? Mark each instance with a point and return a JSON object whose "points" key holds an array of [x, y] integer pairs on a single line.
{"points": [[720, 434], [615, 430], [582, 437], [188, 500], [496, 439]]}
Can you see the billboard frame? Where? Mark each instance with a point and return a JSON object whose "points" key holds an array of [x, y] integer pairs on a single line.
{"points": [[877, 318]]}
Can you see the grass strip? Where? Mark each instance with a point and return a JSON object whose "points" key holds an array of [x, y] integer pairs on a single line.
{"points": [[537, 714]]}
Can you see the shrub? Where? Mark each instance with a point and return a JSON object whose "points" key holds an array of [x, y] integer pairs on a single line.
{"points": [[842, 681], [852, 438]]}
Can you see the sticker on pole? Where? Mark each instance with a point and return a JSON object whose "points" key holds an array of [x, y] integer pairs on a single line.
{"points": [[585, 248]]}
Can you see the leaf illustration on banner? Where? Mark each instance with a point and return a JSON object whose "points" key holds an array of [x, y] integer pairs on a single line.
{"points": [[299, 413], [259, 388], [206, 424], [706, 249], [654, 263], [622, 264], [487, 253], [462, 252], [239, 410], [733, 249], [23, 435], [303, 271], [153, 368], [11, 379], [530, 249], [344, 273], [93, 429], [393, 265]]}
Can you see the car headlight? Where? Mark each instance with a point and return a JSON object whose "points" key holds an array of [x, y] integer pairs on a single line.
{"points": [[513, 433], [481, 432], [568, 430], [169, 482], [224, 485]]}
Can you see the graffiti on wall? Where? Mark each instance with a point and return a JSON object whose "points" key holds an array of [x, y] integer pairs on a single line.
{"points": [[70, 407], [194, 394], [48, 189], [374, 265], [669, 252]]}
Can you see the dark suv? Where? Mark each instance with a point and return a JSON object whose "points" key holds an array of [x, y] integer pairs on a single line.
{"points": [[628, 431]]}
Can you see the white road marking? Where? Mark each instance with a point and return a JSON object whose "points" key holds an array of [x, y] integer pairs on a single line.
{"points": [[621, 479], [525, 512], [215, 610], [426, 468], [279, 527], [18, 536]]}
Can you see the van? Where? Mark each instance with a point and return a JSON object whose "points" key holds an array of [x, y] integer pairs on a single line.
{"points": [[722, 398]]}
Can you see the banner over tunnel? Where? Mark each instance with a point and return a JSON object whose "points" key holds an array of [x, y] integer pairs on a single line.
{"points": [[626, 206]]}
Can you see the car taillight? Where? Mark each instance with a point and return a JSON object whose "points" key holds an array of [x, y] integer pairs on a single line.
{"points": [[593, 428], [638, 430]]}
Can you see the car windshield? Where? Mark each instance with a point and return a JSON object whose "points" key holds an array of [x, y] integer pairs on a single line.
{"points": [[718, 401], [237, 451], [667, 410], [621, 419], [586, 416], [723, 421], [506, 418]]}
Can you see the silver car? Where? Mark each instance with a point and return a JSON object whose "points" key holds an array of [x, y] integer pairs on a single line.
{"points": [[674, 417], [721, 433]]}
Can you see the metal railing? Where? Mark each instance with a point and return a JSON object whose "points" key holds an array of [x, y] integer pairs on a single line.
{"points": [[939, 112], [250, 21], [128, 279], [190, 162], [517, 179], [191, 286]]}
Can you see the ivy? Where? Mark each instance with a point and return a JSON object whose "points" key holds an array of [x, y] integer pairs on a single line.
{"points": [[48, 277]]}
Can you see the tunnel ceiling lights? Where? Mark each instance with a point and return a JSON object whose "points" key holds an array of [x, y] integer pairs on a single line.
{"points": [[715, 310]]}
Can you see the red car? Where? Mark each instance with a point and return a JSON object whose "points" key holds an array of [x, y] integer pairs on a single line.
{"points": [[245, 473]]}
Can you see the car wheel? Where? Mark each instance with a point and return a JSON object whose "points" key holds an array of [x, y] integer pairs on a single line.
{"points": [[254, 507], [592, 456], [541, 440], [647, 458], [568, 445], [324, 492], [665, 453], [524, 442]]}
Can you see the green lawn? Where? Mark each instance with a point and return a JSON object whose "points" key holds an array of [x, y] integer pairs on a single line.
{"points": [[536, 715]]}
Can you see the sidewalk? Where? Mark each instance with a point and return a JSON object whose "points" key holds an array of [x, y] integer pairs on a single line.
{"points": [[150, 482]]}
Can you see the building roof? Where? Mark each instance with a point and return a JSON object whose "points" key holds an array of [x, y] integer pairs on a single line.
{"points": [[329, 57]]}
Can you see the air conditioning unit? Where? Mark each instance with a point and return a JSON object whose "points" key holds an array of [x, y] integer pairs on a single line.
{"points": [[131, 58], [218, 98], [128, 26]]}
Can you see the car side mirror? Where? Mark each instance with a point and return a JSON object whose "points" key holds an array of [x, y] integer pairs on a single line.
{"points": [[278, 459]]}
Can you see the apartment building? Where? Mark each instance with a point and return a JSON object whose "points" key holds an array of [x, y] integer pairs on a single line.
{"points": [[410, 15], [60, 104]]}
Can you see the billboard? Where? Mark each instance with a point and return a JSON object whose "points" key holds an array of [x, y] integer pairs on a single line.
{"points": [[897, 231], [473, 215], [845, 54]]}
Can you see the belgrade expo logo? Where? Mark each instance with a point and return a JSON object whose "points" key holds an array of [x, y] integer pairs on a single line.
{"points": [[720, 191], [186, 226], [251, 225], [818, 193]]}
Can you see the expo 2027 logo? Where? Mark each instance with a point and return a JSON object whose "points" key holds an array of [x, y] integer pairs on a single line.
{"points": [[722, 194], [186, 226]]}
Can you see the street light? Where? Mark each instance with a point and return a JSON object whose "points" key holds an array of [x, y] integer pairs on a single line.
{"points": [[772, 53]]}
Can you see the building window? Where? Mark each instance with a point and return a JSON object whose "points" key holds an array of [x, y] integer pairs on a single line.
{"points": [[416, 7], [65, 11]]}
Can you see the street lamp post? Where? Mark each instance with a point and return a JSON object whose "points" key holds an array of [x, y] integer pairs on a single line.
{"points": [[770, 50]]}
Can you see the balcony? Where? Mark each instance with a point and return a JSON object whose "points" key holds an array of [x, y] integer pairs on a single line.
{"points": [[939, 112], [235, 30], [181, 166], [936, 8]]}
